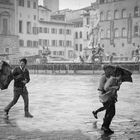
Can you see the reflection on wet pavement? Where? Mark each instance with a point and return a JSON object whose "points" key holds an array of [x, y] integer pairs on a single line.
{"points": [[64, 103]]}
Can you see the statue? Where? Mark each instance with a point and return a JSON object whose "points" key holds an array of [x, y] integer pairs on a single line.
{"points": [[45, 53]]}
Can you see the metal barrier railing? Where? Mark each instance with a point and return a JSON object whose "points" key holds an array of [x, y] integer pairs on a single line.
{"points": [[75, 67]]}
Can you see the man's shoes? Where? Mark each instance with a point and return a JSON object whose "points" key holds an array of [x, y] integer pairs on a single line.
{"points": [[28, 115], [107, 130], [94, 114], [110, 131], [6, 111], [6, 114]]}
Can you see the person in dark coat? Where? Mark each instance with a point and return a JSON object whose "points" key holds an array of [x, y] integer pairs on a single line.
{"points": [[108, 105], [21, 78]]}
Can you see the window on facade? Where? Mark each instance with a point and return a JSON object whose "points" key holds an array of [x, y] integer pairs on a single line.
{"points": [[108, 33], [40, 29], [124, 33], [81, 48], [76, 47], [60, 31], [109, 0], [5, 1], [122, 44], [136, 11], [61, 53], [45, 30], [70, 53], [48, 30], [35, 30], [40, 41], [34, 17], [124, 13], [102, 33], [29, 43], [21, 43], [80, 34], [87, 20], [54, 31], [20, 26], [87, 36], [46, 42], [116, 32], [35, 44], [101, 16], [136, 30], [116, 14], [28, 4], [54, 42], [34, 5], [68, 31], [102, 1], [5, 26], [68, 43], [61, 43], [21, 2], [7, 50], [54, 53], [109, 15], [28, 27], [76, 35]]}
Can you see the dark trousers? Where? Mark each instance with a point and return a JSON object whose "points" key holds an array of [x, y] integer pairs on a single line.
{"points": [[100, 109], [17, 92], [110, 113]]}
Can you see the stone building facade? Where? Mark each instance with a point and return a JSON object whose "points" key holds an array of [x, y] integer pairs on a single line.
{"points": [[9, 49], [28, 27], [120, 27]]}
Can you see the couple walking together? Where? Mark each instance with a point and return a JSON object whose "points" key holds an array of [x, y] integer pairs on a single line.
{"points": [[109, 84]]}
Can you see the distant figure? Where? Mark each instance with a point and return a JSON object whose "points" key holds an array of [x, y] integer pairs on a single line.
{"points": [[21, 78], [137, 51], [81, 59], [111, 59], [109, 85]]}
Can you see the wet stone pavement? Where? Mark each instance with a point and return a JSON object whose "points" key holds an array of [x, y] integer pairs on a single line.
{"points": [[62, 106]]}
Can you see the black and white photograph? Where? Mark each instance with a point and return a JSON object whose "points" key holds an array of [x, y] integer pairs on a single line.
{"points": [[69, 69]]}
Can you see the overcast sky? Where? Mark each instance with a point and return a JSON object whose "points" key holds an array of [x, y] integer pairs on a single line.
{"points": [[73, 4]]}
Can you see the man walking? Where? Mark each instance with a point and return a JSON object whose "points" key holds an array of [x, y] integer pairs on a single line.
{"points": [[21, 78]]}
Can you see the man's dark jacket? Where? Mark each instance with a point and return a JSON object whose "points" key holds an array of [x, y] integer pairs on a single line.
{"points": [[19, 75]]}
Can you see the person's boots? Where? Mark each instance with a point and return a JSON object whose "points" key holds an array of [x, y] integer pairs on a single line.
{"points": [[95, 114], [6, 114], [28, 115], [107, 130]]}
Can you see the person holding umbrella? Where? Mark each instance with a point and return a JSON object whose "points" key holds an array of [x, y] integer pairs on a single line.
{"points": [[21, 78], [109, 85]]}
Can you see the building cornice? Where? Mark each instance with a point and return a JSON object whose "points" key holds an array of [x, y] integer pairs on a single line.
{"points": [[45, 8], [56, 22]]}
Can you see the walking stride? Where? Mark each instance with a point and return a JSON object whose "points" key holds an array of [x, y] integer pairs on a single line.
{"points": [[21, 78], [108, 86]]}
